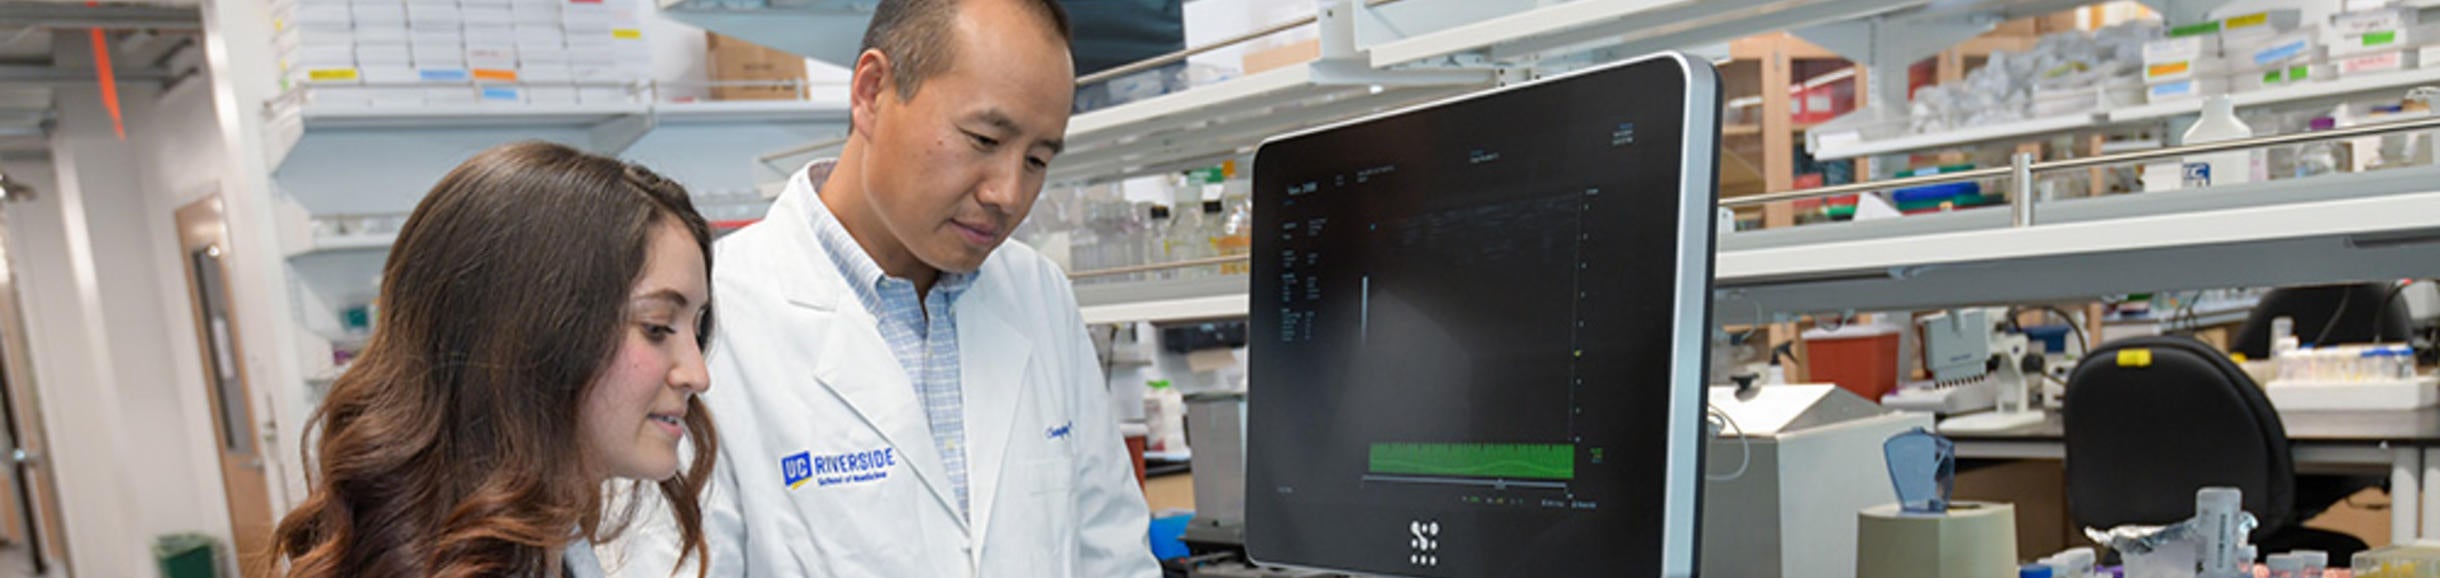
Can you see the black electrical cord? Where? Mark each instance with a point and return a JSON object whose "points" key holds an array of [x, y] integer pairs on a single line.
{"points": [[2380, 314], [2343, 299]]}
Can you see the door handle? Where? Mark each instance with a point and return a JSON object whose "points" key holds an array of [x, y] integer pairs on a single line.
{"points": [[26, 458]]}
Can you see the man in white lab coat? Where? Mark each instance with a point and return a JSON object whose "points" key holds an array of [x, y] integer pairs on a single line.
{"points": [[900, 394]]}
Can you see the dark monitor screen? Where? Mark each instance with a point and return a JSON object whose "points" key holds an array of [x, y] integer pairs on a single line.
{"points": [[1477, 331]]}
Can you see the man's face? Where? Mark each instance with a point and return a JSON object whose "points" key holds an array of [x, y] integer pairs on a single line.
{"points": [[957, 167]]}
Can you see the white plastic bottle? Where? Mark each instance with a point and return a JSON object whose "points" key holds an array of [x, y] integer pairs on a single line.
{"points": [[2219, 123]]}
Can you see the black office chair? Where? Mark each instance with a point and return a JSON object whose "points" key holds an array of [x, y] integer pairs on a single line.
{"points": [[2152, 419], [2365, 312]]}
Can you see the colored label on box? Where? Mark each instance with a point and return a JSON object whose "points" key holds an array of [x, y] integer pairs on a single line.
{"points": [[495, 74], [499, 93], [2195, 29], [2249, 20], [2280, 52], [2168, 69], [331, 74], [2382, 38], [627, 34], [443, 75]]}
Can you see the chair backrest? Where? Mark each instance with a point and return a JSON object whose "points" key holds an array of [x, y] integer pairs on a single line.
{"points": [[2364, 313], [2152, 419]]}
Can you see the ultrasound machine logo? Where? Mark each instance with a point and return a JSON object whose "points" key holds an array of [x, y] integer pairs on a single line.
{"points": [[1426, 543]]}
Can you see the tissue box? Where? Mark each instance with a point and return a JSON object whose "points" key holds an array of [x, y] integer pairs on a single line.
{"points": [[2377, 63]]}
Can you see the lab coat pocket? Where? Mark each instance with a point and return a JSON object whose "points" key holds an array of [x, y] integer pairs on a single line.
{"points": [[1051, 497]]}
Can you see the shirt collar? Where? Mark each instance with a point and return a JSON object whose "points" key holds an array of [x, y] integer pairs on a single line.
{"points": [[862, 272]]}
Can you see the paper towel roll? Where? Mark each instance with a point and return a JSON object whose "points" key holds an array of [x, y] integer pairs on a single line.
{"points": [[1972, 540]]}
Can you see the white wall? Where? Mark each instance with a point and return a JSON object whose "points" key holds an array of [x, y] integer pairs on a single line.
{"points": [[108, 313]]}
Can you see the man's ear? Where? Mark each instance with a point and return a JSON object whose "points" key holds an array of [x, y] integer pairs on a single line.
{"points": [[871, 85]]}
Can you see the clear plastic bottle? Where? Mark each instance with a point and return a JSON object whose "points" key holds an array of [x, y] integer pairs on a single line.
{"points": [[1237, 234], [1156, 239], [2322, 157]]}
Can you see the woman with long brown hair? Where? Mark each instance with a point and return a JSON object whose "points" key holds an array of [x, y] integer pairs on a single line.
{"points": [[537, 357]]}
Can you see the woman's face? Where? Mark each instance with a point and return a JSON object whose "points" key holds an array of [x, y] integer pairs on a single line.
{"points": [[634, 417]]}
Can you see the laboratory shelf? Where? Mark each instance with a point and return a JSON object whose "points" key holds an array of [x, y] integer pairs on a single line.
{"points": [[1164, 300], [1839, 141], [2347, 227], [1629, 26], [2399, 81], [1832, 144], [1203, 125]]}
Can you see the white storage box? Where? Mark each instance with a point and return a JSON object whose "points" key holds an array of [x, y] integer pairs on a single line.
{"points": [[604, 95], [337, 96], [451, 95], [487, 15], [443, 73], [303, 15], [341, 56], [550, 94], [324, 75], [386, 14], [540, 37], [2377, 63], [490, 34], [370, 55], [2186, 89], [2301, 46], [596, 74], [559, 56], [2371, 31], [301, 39], [534, 14], [400, 74], [545, 73], [435, 15], [382, 34], [2399, 395], [451, 54], [500, 95], [2171, 59]]}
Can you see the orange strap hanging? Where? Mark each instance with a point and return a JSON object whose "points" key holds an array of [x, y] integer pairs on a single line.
{"points": [[109, 80]]}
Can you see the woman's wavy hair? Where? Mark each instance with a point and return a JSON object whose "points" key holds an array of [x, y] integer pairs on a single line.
{"points": [[451, 447]]}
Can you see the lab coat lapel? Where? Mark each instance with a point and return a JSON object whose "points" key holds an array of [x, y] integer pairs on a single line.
{"points": [[992, 372], [850, 358]]}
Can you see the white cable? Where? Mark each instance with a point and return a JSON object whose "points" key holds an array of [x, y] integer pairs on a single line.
{"points": [[1743, 442]]}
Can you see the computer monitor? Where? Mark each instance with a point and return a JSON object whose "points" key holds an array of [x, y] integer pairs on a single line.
{"points": [[1477, 331]]}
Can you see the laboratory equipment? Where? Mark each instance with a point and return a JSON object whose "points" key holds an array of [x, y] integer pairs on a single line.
{"points": [[1957, 348], [2212, 544], [1970, 540], [1478, 331], [1969, 349], [1782, 482]]}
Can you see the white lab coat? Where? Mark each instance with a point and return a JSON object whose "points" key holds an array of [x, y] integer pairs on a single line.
{"points": [[798, 366]]}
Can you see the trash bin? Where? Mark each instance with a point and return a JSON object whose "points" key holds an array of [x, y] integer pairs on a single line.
{"points": [[187, 556]]}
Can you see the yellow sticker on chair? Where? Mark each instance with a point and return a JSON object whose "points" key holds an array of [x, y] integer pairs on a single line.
{"points": [[2135, 357]]}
